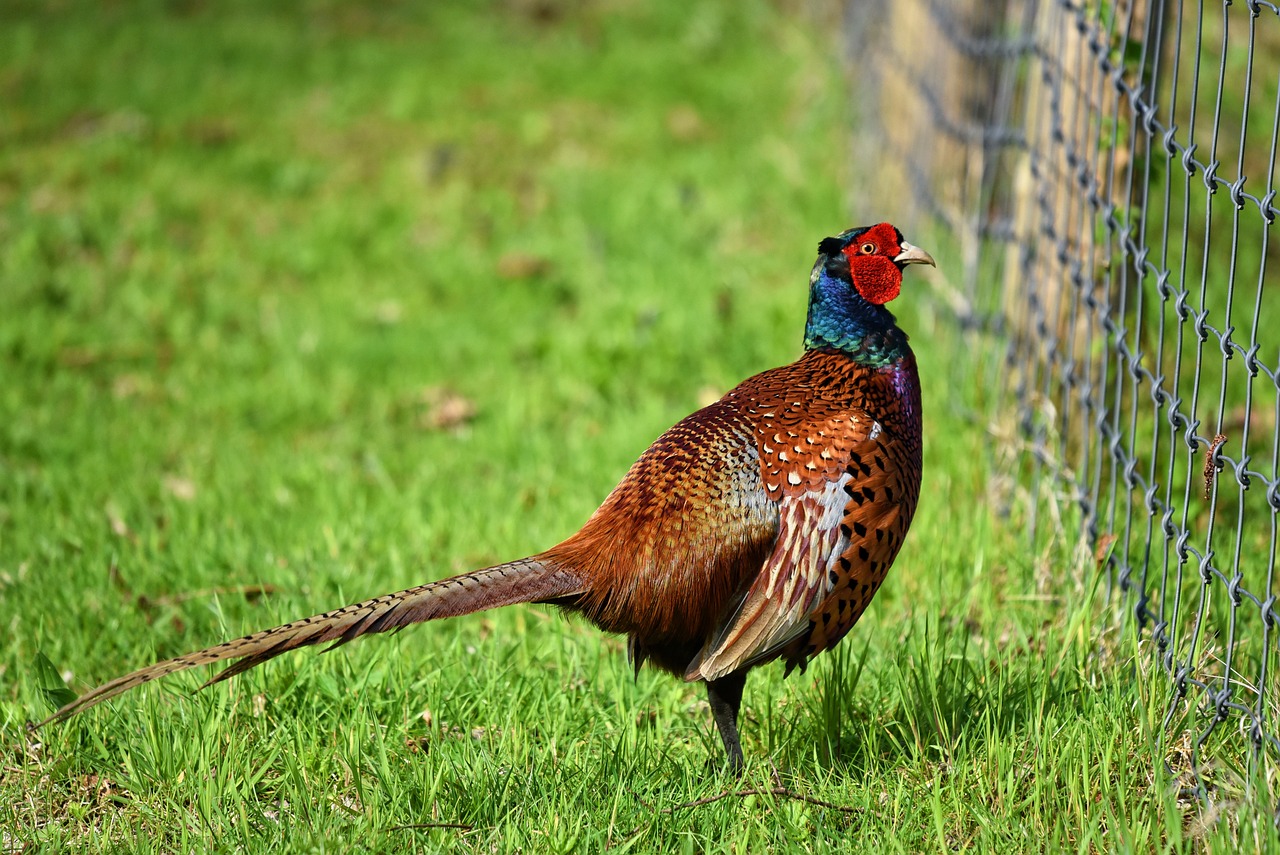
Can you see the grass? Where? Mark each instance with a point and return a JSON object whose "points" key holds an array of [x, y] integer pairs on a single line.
{"points": [[313, 302]]}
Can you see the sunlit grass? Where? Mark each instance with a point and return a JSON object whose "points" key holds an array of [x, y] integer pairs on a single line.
{"points": [[318, 302]]}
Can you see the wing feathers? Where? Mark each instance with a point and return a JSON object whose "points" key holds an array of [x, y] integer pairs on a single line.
{"points": [[839, 527], [794, 580]]}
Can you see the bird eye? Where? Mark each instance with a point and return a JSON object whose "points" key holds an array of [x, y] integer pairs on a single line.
{"points": [[868, 248]]}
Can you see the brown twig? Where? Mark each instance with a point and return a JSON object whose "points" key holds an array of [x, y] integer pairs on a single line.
{"points": [[780, 791], [1210, 465], [417, 825], [777, 790], [639, 798]]}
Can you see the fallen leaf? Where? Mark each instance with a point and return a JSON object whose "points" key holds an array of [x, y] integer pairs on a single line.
{"points": [[115, 519], [683, 123], [522, 265], [1103, 550], [183, 489], [445, 409]]}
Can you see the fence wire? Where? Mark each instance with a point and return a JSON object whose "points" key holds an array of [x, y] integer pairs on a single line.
{"points": [[1108, 170]]}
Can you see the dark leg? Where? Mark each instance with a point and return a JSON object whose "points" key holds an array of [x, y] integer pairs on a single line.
{"points": [[725, 696]]}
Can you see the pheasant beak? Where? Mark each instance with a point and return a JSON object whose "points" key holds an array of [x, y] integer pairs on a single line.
{"points": [[913, 255]]}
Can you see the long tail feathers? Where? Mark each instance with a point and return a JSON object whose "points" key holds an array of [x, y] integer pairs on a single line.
{"points": [[523, 581]]}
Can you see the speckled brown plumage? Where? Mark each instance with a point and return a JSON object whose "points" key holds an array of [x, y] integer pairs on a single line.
{"points": [[743, 485], [757, 528]]}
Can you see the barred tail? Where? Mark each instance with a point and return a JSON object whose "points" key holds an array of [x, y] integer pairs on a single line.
{"points": [[527, 580]]}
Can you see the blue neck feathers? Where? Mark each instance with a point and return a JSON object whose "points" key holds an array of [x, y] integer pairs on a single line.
{"points": [[841, 319]]}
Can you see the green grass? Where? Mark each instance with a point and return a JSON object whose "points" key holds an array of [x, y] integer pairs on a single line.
{"points": [[334, 301]]}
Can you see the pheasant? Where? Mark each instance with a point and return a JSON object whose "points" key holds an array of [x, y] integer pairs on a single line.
{"points": [[757, 528]]}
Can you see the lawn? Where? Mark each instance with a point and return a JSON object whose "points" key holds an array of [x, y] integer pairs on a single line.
{"points": [[304, 303]]}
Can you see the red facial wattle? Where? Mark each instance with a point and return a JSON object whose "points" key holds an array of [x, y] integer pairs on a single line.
{"points": [[871, 265], [876, 277]]}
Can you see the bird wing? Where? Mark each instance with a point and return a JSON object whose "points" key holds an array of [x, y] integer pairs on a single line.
{"points": [[687, 527], [844, 502]]}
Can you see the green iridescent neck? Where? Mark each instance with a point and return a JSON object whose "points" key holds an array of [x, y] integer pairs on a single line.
{"points": [[840, 319]]}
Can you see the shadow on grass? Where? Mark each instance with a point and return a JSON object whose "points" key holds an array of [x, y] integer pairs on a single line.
{"points": [[926, 696]]}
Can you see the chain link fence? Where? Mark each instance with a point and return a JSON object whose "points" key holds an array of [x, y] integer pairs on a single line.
{"points": [[1107, 168]]}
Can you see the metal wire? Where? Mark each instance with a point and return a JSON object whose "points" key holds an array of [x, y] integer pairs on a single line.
{"points": [[1125, 196]]}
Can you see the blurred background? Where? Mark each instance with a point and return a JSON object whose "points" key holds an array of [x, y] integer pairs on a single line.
{"points": [[307, 301]]}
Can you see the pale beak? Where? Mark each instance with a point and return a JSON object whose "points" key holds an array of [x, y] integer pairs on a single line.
{"points": [[913, 255]]}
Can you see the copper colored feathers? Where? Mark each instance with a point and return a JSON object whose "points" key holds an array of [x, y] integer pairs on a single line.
{"points": [[757, 528]]}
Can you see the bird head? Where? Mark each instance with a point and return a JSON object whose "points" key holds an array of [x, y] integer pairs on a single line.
{"points": [[871, 258]]}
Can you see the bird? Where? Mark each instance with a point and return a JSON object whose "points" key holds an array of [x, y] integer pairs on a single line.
{"points": [[757, 528]]}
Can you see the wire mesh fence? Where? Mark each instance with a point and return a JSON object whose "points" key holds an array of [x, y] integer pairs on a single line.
{"points": [[1108, 170]]}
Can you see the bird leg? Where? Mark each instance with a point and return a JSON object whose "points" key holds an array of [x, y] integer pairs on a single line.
{"points": [[725, 697]]}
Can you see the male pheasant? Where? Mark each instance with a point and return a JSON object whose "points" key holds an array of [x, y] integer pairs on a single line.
{"points": [[757, 528]]}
